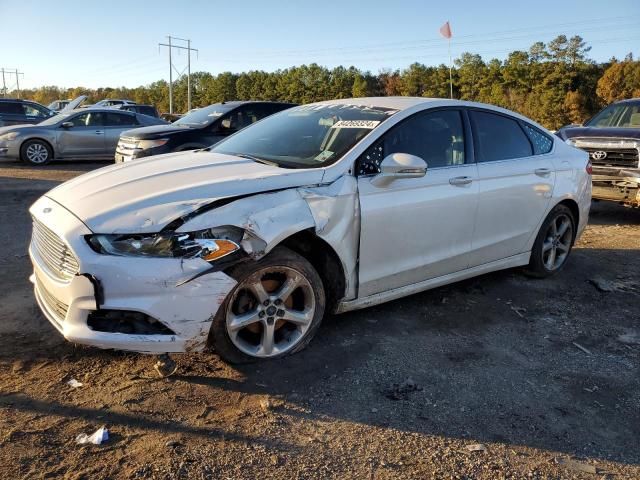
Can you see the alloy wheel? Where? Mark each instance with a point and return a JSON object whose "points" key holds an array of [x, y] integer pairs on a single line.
{"points": [[270, 312], [37, 153], [557, 242]]}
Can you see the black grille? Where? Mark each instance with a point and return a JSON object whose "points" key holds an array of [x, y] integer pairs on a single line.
{"points": [[619, 157]]}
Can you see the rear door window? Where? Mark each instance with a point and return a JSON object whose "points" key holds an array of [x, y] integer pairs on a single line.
{"points": [[120, 120], [89, 119], [498, 137], [11, 108]]}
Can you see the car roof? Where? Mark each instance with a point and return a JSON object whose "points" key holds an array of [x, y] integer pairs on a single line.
{"points": [[629, 100], [244, 102], [100, 109], [21, 100], [405, 103]]}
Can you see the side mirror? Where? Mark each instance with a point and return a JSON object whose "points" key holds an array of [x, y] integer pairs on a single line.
{"points": [[399, 165], [67, 124]]}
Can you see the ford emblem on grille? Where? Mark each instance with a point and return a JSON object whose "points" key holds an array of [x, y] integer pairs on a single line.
{"points": [[599, 155]]}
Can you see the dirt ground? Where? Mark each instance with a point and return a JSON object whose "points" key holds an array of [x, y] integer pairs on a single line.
{"points": [[501, 376]]}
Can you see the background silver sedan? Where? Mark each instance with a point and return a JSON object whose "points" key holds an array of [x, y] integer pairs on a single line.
{"points": [[78, 134]]}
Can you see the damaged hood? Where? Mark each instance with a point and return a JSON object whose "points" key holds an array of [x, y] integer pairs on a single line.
{"points": [[145, 195]]}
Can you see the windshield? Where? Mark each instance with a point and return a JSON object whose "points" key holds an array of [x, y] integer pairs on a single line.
{"points": [[204, 116], [621, 115], [55, 119], [309, 136]]}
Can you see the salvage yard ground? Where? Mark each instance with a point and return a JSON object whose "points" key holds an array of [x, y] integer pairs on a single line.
{"points": [[501, 376]]}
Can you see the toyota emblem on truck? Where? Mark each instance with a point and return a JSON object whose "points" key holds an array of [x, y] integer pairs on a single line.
{"points": [[599, 155]]}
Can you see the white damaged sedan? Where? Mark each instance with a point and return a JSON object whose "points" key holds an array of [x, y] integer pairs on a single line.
{"points": [[327, 207]]}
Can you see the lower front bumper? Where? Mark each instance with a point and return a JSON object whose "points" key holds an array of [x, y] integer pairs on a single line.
{"points": [[186, 309], [617, 185]]}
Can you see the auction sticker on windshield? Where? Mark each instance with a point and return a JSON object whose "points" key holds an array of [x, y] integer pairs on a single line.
{"points": [[370, 124]]}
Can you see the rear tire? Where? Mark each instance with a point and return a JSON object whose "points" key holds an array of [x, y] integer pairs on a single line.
{"points": [[274, 310], [36, 152], [553, 244]]}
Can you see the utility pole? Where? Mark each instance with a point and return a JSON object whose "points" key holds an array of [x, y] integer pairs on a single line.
{"points": [[18, 81], [188, 48], [188, 75], [10, 71]]}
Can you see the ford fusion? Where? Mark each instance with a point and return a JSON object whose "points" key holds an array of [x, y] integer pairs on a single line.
{"points": [[326, 207]]}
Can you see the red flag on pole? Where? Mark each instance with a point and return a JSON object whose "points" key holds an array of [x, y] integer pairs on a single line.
{"points": [[445, 30]]}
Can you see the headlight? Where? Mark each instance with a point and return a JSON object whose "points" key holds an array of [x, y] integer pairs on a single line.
{"points": [[570, 141], [145, 144], [7, 137], [211, 244]]}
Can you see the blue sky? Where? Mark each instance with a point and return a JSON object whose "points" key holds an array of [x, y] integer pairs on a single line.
{"points": [[114, 43]]}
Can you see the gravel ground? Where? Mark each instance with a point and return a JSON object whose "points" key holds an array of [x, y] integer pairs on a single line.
{"points": [[501, 376]]}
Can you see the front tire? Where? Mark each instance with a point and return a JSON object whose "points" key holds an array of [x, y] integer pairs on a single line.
{"points": [[36, 152], [274, 310], [553, 243]]}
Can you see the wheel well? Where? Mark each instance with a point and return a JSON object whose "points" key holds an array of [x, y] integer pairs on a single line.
{"points": [[324, 259], [43, 141], [573, 206]]}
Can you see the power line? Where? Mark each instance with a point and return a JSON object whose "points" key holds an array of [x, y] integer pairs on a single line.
{"points": [[479, 38]]}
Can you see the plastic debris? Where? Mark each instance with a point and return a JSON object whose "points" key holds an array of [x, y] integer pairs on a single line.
{"points": [[165, 366], [577, 466], [584, 349], [477, 447], [97, 438], [73, 383]]}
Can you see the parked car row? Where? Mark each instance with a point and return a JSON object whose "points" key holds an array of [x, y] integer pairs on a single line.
{"points": [[77, 134], [97, 132]]}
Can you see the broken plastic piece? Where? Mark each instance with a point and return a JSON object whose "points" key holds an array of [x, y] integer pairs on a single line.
{"points": [[73, 383], [97, 438], [165, 366]]}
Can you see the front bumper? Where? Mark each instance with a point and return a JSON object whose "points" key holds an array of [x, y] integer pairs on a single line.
{"points": [[153, 286], [617, 185], [9, 150]]}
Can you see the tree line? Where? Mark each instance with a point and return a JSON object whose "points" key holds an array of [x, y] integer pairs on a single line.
{"points": [[554, 83]]}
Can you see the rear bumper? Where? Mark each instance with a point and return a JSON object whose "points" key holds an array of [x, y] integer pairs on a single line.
{"points": [[617, 185], [152, 286]]}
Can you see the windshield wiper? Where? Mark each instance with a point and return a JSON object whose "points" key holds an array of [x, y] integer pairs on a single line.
{"points": [[256, 159]]}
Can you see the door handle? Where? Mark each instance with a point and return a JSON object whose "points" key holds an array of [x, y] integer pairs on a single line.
{"points": [[99, 132], [542, 172], [460, 180]]}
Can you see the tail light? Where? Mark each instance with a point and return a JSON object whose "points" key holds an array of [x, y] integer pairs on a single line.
{"points": [[589, 167]]}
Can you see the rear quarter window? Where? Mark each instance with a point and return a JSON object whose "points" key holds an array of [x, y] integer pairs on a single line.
{"points": [[541, 142]]}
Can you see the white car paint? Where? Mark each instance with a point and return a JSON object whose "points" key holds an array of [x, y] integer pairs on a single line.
{"points": [[392, 240]]}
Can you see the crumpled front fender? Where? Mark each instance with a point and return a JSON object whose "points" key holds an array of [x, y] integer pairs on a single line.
{"points": [[332, 211]]}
